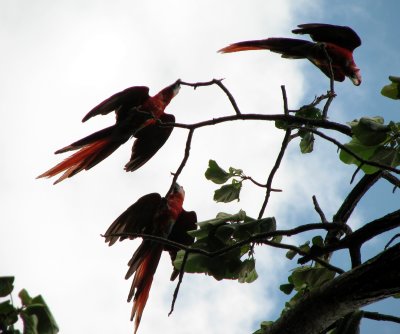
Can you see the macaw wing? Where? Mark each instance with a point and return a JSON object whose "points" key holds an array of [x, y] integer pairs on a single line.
{"points": [[138, 218], [149, 140], [186, 222], [340, 35], [130, 97]]}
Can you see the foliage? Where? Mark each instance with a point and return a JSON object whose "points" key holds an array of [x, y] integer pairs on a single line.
{"points": [[224, 245], [34, 313], [220, 234], [373, 141]]}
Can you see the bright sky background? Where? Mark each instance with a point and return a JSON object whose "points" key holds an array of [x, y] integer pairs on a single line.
{"points": [[61, 58]]}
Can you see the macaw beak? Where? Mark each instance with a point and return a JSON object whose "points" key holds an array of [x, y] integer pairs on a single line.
{"points": [[356, 78]]}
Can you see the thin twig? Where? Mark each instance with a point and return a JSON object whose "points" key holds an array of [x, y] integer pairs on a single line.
{"points": [[275, 168], [392, 239], [285, 101], [392, 179], [176, 291], [184, 160], [219, 83], [381, 317], [344, 148], [301, 252], [356, 239], [319, 210], [285, 143], [244, 177]]}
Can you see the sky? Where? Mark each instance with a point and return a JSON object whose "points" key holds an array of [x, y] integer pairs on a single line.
{"points": [[61, 58]]}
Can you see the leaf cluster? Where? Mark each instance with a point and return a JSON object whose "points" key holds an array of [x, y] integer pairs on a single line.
{"points": [[228, 192], [374, 141], [222, 234], [34, 312]]}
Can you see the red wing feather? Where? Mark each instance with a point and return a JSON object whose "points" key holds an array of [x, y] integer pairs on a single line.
{"points": [[186, 222], [136, 219], [149, 140], [130, 97]]}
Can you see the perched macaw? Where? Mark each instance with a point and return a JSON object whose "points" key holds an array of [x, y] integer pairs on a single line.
{"points": [[339, 43], [138, 115], [158, 216]]}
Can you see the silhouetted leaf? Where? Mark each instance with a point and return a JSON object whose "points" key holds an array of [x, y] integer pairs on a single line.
{"points": [[6, 285], [215, 173], [228, 192]]}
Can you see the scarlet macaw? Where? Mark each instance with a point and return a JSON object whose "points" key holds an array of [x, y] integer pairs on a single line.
{"points": [[339, 43], [162, 217], [137, 115]]}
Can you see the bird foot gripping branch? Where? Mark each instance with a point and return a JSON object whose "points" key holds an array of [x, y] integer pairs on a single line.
{"points": [[137, 115], [158, 217]]}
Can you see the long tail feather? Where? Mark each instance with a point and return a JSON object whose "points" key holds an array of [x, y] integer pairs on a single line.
{"points": [[288, 47], [144, 262], [87, 157]]}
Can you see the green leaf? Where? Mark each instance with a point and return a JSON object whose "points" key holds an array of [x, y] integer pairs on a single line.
{"points": [[318, 241], [286, 288], [307, 143], [46, 322], [235, 171], [309, 112], [247, 273], [263, 327], [30, 322], [224, 232], [394, 79], [8, 313], [307, 277], [281, 124], [386, 155], [215, 173], [252, 227], [290, 254], [392, 90], [370, 131], [25, 298], [229, 192], [364, 152], [6, 285]]}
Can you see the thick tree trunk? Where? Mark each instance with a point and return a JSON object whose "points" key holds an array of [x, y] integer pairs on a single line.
{"points": [[374, 280]]}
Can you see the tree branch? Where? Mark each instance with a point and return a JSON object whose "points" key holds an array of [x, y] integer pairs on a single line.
{"points": [[380, 317], [356, 239], [184, 160], [344, 148], [319, 210], [275, 168], [219, 83], [261, 238], [291, 120], [285, 143], [369, 282]]}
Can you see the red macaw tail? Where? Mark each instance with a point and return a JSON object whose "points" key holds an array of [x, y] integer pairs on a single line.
{"points": [[89, 154], [144, 263], [288, 47]]}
